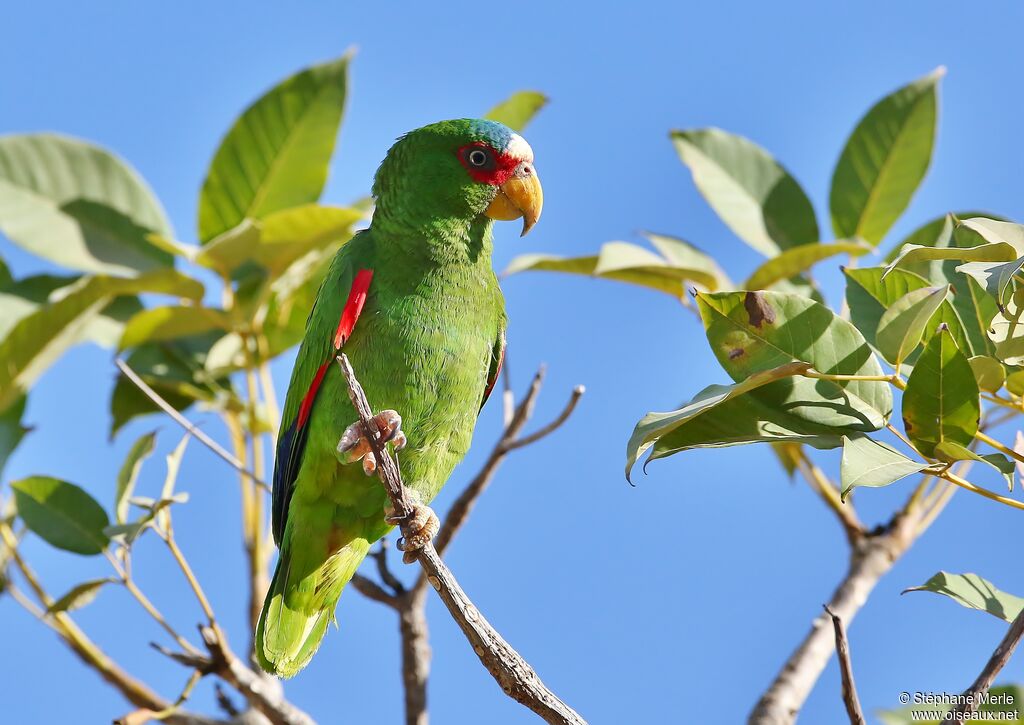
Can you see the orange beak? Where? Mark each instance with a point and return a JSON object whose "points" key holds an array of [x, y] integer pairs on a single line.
{"points": [[520, 196]]}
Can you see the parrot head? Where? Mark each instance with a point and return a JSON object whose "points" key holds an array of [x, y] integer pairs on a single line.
{"points": [[460, 170]]}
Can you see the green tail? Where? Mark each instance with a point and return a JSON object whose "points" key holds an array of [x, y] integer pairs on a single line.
{"points": [[296, 613]]}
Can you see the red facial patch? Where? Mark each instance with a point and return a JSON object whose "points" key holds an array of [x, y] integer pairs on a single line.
{"points": [[497, 168]]}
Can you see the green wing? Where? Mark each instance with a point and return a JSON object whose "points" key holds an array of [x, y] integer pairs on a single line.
{"points": [[315, 352]]}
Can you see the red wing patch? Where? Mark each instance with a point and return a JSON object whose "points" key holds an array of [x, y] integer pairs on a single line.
{"points": [[353, 307], [349, 317]]}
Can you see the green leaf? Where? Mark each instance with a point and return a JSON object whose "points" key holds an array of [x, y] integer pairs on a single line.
{"points": [[62, 514], [20, 299], [973, 592], [626, 262], [682, 255], [5, 274], [979, 230], [995, 277], [518, 110], [79, 595], [903, 324], [1015, 383], [950, 451], [655, 425], [941, 403], [1006, 330], [280, 239], [78, 205], [995, 252], [168, 323], [276, 154], [751, 192], [989, 373], [927, 234], [740, 420], [129, 473], [870, 292], [799, 259], [867, 462], [37, 340], [11, 429], [884, 161], [754, 331]]}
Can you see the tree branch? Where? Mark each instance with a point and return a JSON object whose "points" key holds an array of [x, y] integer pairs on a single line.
{"points": [[973, 694], [515, 676], [871, 557], [187, 424], [850, 699]]}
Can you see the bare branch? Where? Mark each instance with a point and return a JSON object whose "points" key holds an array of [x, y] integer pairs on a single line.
{"points": [[134, 691], [187, 424], [412, 626], [551, 427], [372, 590], [870, 559], [515, 676], [509, 441], [850, 698], [973, 694], [386, 576]]}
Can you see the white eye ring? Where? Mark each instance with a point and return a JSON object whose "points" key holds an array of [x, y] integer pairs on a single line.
{"points": [[477, 157]]}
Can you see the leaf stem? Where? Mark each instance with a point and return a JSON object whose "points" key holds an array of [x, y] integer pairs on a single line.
{"points": [[962, 483], [985, 438]]}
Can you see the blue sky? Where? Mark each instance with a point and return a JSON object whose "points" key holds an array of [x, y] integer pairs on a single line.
{"points": [[634, 604]]}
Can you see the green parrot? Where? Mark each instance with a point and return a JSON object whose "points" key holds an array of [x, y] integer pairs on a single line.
{"points": [[427, 350]]}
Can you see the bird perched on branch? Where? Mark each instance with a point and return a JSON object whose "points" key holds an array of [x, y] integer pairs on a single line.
{"points": [[414, 303]]}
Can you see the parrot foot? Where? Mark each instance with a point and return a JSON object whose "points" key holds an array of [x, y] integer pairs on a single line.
{"points": [[421, 525], [355, 446]]}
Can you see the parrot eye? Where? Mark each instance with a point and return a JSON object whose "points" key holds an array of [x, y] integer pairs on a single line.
{"points": [[477, 158]]}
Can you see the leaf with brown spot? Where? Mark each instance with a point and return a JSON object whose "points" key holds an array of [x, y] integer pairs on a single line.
{"points": [[751, 332]]}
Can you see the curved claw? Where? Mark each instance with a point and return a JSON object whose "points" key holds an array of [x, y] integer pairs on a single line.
{"points": [[355, 446], [421, 527]]}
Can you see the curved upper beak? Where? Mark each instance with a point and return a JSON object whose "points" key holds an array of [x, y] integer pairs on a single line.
{"points": [[520, 196]]}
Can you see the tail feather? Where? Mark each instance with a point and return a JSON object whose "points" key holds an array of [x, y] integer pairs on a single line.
{"points": [[295, 614]]}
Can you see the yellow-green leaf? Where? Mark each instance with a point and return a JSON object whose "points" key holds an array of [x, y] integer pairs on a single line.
{"points": [[38, 339], [518, 110], [276, 154], [799, 259], [884, 161]]}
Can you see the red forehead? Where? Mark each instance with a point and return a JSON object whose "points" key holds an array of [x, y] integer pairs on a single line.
{"points": [[504, 164]]}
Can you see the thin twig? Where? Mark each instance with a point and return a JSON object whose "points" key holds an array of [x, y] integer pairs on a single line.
{"points": [[973, 695], [386, 575], [823, 486], [133, 690], [515, 676], [551, 427], [850, 699], [186, 423]]}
